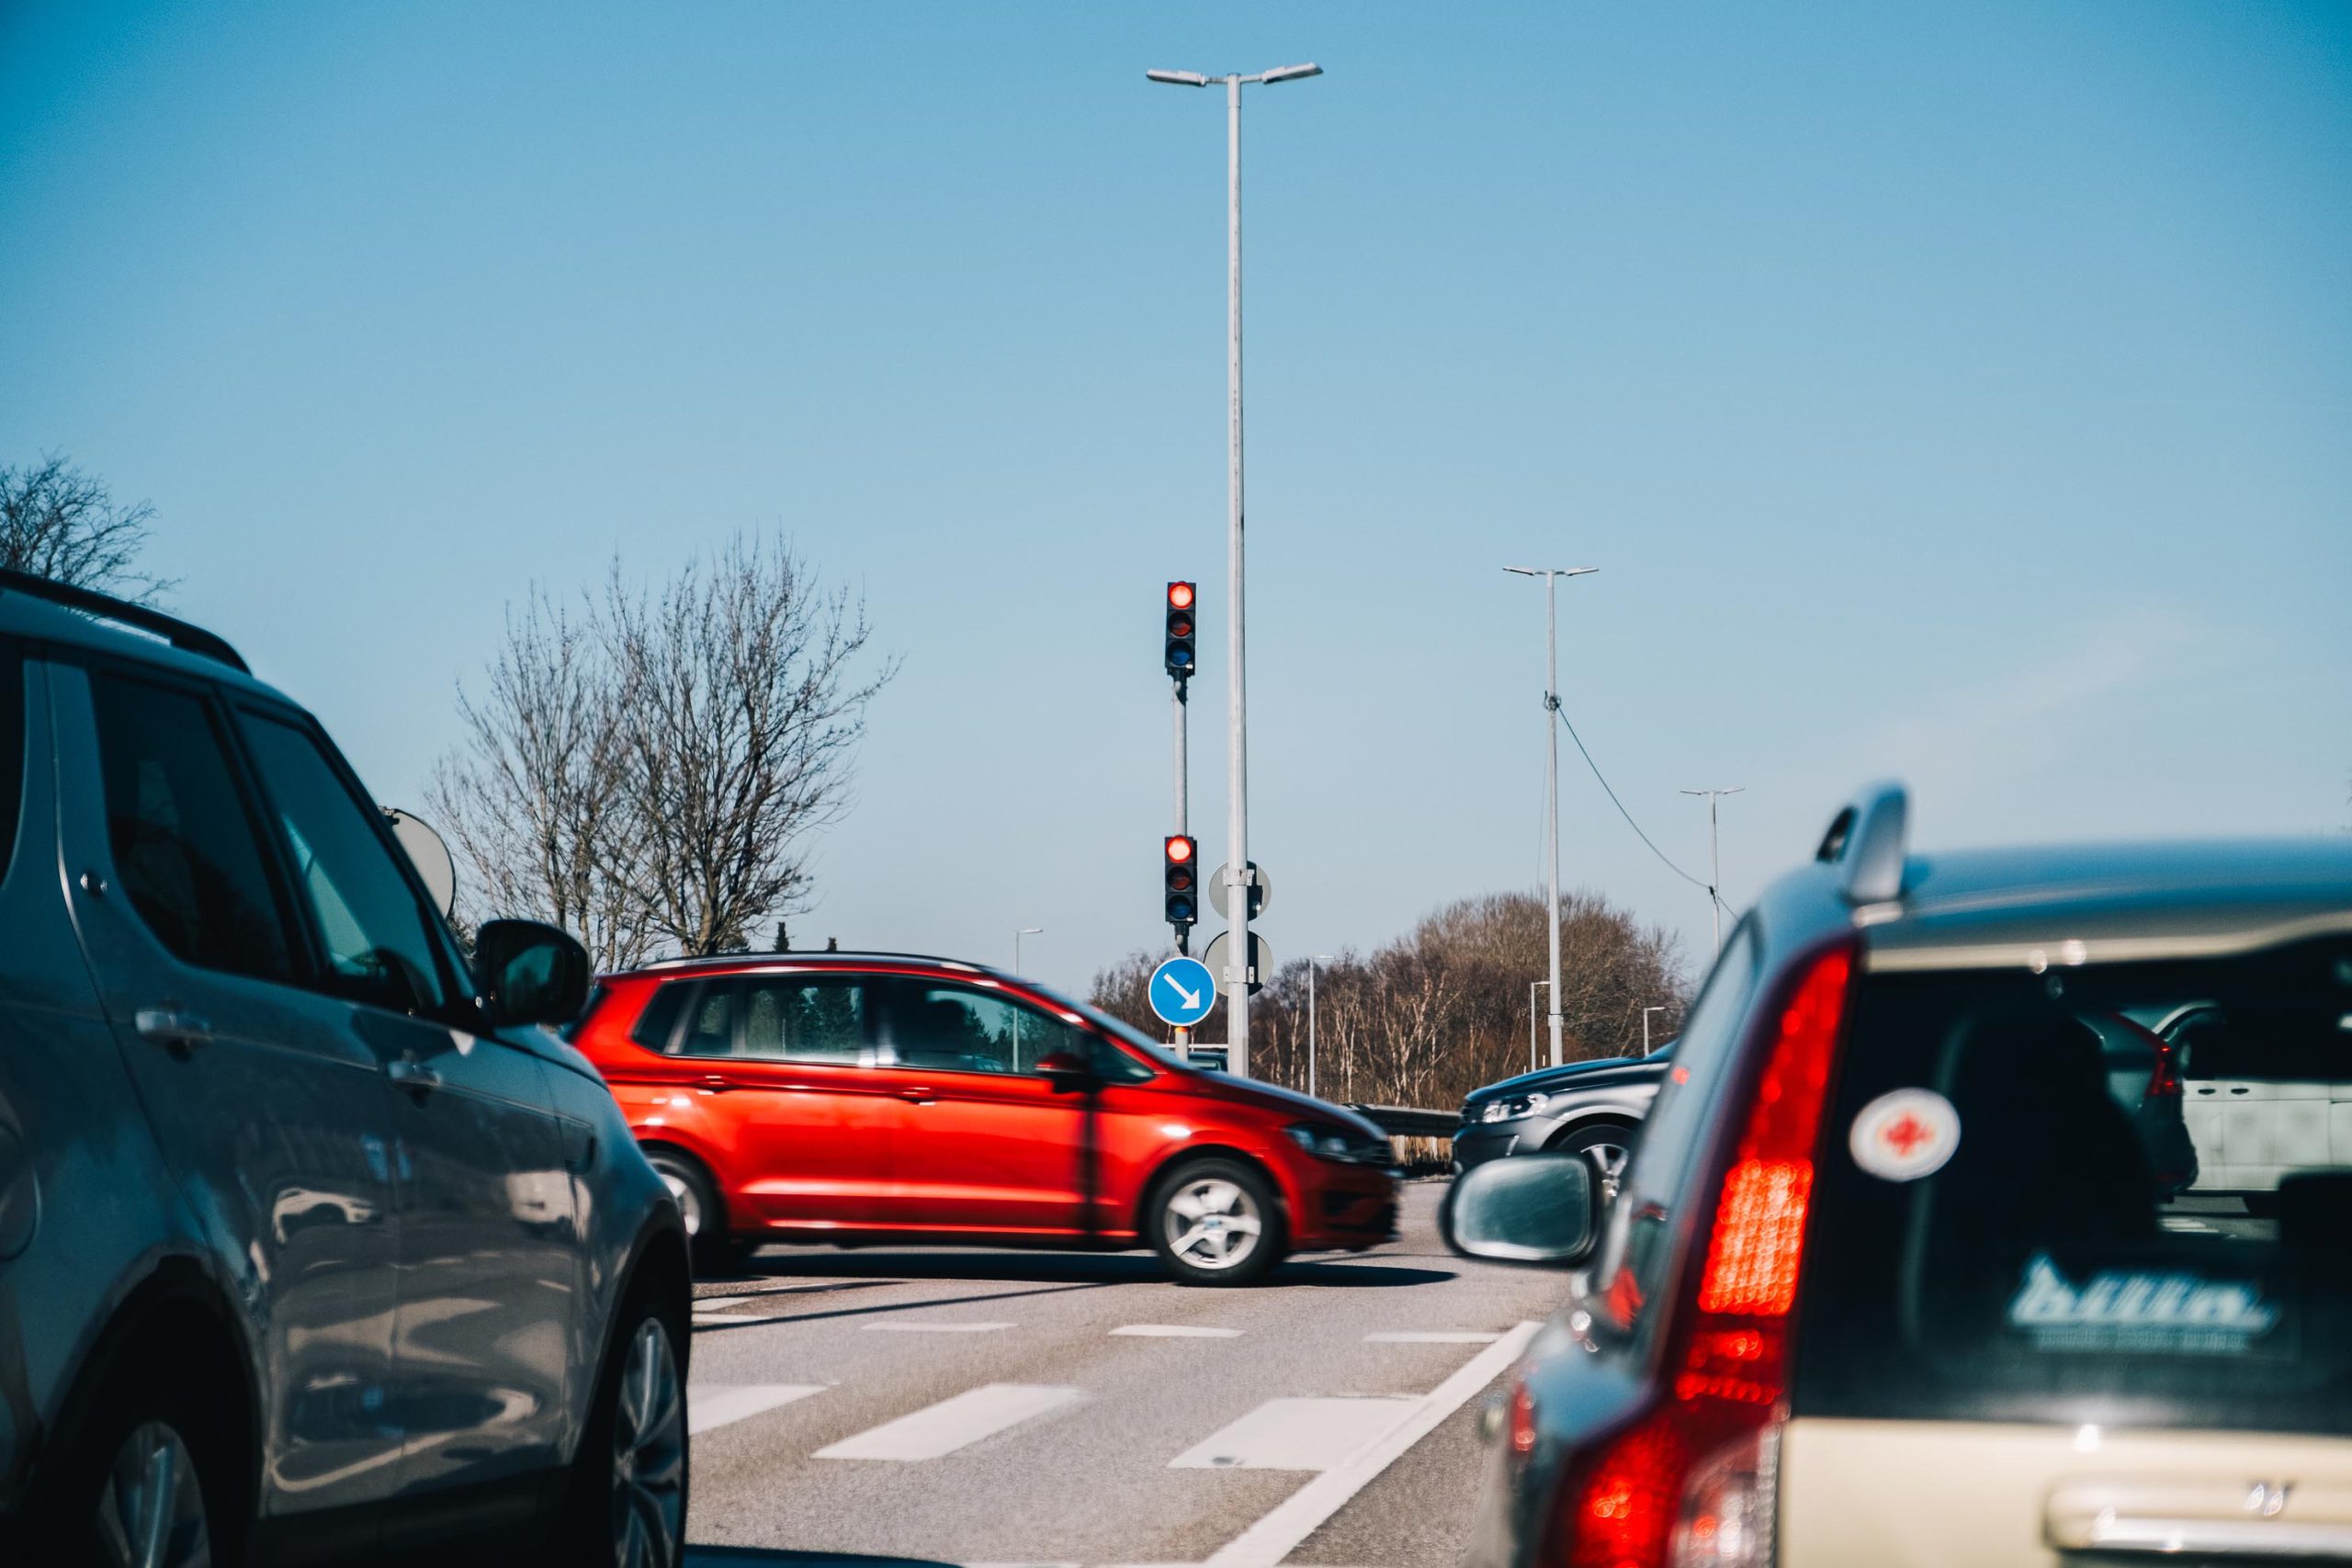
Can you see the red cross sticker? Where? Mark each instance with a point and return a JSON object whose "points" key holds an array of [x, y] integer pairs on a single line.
{"points": [[1906, 1133]]}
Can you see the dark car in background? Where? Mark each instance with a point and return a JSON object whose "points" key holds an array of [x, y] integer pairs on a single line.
{"points": [[1592, 1108], [1898, 1275]]}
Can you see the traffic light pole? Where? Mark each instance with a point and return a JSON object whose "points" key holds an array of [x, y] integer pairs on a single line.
{"points": [[1178, 688]]}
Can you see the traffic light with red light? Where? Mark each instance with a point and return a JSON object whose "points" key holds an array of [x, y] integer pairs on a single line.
{"points": [[1179, 653], [1181, 880]]}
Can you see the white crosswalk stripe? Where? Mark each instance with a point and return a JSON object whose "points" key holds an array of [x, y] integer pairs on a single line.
{"points": [[941, 1429], [722, 1404], [1300, 1434]]}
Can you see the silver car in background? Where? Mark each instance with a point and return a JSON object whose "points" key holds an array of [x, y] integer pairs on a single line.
{"points": [[314, 1244]]}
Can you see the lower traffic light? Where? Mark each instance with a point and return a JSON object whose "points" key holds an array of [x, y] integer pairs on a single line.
{"points": [[1181, 880]]}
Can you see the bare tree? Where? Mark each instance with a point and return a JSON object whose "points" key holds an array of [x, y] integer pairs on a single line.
{"points": [[537, 798], [59, 522], [743, 705]]}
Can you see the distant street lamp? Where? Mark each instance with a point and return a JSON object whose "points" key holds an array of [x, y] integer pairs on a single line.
{"points": [[1018, 934], [1531, 1019], [1312, 960], [1237, 978], [1551, 576], [1646, 1027], [1715, 856]]}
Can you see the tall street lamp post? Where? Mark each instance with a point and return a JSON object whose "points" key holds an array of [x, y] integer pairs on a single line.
{"points": [[1551, 576], [1019, 931], [1646, 1027], [1238, 953]]}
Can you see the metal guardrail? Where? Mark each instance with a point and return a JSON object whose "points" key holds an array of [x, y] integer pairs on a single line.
{"points": [[1407, 1122]]}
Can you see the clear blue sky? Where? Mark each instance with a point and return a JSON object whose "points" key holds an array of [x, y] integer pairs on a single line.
{"points": [[1963, 392]]}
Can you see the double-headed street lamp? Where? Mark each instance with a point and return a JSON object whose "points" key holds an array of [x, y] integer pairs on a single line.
{"points": [[1238, 949], [1551, 576]]}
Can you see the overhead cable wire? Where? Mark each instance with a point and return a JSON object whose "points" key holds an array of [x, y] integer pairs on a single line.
{"points": [[1637, 826]]}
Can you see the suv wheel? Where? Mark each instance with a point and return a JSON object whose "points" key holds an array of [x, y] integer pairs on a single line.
{"points": [[1605, 1146], [628, 1508], [151, 1489], [715, 1248], [1216, 1222]]}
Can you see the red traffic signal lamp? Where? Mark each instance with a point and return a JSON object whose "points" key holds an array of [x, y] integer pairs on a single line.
{"points": [[1181, 880], [1178, 653]]}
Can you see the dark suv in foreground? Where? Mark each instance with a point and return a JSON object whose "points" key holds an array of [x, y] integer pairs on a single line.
{"points": [[1900, 1271], [313, 1245]]}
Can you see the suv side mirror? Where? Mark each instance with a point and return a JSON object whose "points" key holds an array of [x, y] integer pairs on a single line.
{"points": [[1065, 1071], [530, 973], [1523, 1209]]}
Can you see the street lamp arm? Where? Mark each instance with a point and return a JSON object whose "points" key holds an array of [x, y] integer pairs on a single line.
{"points": [[1179, 78]]}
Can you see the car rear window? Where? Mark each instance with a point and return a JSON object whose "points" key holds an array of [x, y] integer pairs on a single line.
{"points": [[12, 750], [2107, 1195]]}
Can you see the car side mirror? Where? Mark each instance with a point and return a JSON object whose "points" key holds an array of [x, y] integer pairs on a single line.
{"points": [[1540, 1208], [1065, 1071], [530, 973]]}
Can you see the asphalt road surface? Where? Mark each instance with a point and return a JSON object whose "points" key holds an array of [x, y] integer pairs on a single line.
{"points": [[888, 1408]]}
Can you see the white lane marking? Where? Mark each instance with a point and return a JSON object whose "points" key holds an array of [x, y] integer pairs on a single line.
{"points": [[721, 1406], [941, 1428], [1435, 1337], [934, 1327], [1276, 1536], [1175, 1331], [1299, 1434]]}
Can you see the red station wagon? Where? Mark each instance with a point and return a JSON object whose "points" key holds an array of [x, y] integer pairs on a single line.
{"points": [[847, 1098]]}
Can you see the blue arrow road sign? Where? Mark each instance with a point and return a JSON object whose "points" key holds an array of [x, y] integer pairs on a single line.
{"points": [[1182, 991]]}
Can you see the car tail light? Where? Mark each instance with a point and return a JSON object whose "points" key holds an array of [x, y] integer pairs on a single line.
{"points": [[2164, 1082], [1693, 1481]]}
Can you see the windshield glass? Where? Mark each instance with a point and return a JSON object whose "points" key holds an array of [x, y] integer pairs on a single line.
{"points": [[2116, 1194]]}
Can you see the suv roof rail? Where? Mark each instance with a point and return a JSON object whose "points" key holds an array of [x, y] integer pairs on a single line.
{"points": [[1866, 843], [106, 606], [803, 955]]}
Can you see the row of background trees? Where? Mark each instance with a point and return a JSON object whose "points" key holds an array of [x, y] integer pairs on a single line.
{"points": [[1431, 1015]]}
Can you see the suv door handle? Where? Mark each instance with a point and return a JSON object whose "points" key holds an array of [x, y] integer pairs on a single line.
{"points": [[408, 1073], [2238, 1088], [918, 1096], [173, 1027], [712, 1083]]}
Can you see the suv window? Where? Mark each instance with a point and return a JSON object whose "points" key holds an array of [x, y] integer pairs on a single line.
{"points": [[377, 946], [955, 1029], [185, 846], [12, 750], [1642, 1226], [2052, 1270], [657, 1024]]}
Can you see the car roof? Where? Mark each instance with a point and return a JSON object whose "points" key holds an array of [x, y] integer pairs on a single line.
{"points": [[2077, 904], [735, 962], [46, 613]]}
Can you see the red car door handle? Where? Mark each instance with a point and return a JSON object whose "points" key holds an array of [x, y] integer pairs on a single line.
{"points": [[919, 1097], [713, 1084]]}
